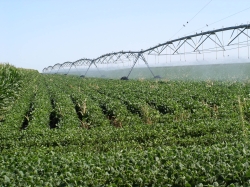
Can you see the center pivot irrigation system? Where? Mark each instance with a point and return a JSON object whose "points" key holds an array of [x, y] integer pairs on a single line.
{"points": [[213, 41]]}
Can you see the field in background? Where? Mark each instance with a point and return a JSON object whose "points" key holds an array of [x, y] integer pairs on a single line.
{"points": [[58, 130], [239, 71]]}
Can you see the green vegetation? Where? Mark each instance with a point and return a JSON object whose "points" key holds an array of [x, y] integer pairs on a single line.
{"points": [[11, 82], [69, 131]]}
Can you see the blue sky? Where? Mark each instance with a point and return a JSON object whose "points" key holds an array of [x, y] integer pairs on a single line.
{"points": [[39, 33]]}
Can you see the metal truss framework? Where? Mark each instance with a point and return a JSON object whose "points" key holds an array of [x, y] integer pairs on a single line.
{"points": [[195, 43]]}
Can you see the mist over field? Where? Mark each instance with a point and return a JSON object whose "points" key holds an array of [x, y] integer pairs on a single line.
{"points": [[230, 71]]}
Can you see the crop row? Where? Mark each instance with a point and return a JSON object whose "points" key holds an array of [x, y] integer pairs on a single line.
{"points": [[205, 117], [220, 165], [11, 82], [66, 131], [68, 105]]}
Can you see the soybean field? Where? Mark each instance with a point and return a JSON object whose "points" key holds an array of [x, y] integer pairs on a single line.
{"points": [[58, 130]]}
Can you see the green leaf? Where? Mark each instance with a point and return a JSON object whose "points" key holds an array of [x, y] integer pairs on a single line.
{"points": [[6, 179], [248, 173]]}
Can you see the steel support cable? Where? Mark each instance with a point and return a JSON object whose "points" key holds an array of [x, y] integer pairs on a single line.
{"points": [[216, 41], [170, 54], [110, 58], [166, 55], [97, 68], [200, 39], [180, 45], [213, 49], [238, 34], [247, 40], [201, 10], [202, 52], [191, 19], [180, 57], [76, 69], [59, 69], [215, 46], [174, 49], [74, 65], [233, 48], [88, 68], [191, 45], [199, 42], [162, 49], [221, 20], [102, 59], [120, 58], [114, 58], [170, 48], [219, 42], [70, 68], [223, 42], [50, 70], [185, 51], [154, 51], [143, 58], [80, 63], [238, 43], [243, 32], [196, 44], [135, 60], [147, 58], [117, 56]]}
